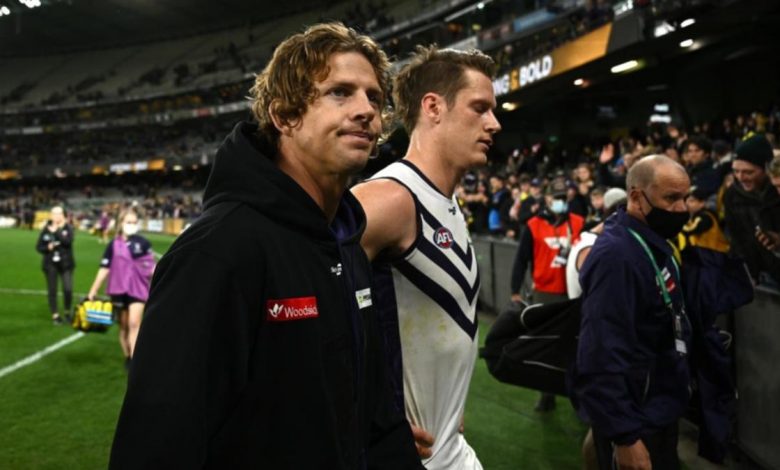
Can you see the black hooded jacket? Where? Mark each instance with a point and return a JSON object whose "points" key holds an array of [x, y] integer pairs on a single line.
{"points": [[744, 212], [260, 348]]}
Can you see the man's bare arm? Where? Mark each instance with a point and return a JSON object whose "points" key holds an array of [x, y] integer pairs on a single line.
{"points": [[391, 219]]}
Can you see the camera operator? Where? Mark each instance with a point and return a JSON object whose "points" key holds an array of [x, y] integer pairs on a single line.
{"points": [[55, 243]]}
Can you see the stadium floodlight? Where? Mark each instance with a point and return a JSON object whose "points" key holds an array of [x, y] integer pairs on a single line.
{"points": [[687, 22], [468, 9], [30, 3], [686, 43], [662, 29], [625, 66], [4, 10], [579, 82], [509, 106]]}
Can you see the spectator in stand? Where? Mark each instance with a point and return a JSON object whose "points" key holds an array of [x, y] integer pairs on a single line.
{"points": [[55, 243], [749, 208], [533, 203], [722, 157], [703, 229], [596, 210], [696, 155], [498, 210], [770, 238], [521, 194], [578, 203], [475, 199], [128, 263], [545, 246], [583, 176], [607, 174]]}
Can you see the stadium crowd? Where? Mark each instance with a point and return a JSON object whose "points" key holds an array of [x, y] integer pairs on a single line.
{"points": [[499, 200], [733, 163]]}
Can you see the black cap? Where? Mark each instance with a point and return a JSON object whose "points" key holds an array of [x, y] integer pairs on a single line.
{"points": [[557, 188], [756, 150]]}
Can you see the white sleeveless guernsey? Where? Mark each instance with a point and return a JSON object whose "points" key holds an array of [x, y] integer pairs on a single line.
{"points": [[429, 295]]}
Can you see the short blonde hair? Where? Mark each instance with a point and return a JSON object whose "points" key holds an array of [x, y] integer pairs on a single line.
{"points": [[288, 81], [441, 71]]}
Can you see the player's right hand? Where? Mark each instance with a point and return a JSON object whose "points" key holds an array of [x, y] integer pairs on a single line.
{"points": [[423, 441], [633, 457]]}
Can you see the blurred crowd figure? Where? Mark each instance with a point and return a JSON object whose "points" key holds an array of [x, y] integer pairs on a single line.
{"points": [[733, 200]]}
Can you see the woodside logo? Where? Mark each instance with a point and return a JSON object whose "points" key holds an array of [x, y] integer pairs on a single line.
{"points": [[296, 308]]}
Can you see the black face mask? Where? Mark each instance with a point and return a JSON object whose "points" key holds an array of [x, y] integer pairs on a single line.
{"points": [[663, 222]]}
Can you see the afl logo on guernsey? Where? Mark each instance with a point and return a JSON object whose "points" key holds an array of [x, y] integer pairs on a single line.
{"points": [[443, 237]]}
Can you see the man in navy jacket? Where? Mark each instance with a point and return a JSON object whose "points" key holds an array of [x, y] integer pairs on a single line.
{"points": [[632, 373]]}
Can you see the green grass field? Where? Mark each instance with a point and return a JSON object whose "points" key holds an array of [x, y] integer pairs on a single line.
{"points": [[60, 412]]}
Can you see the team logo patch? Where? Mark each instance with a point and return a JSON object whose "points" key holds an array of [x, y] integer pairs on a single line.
{"points": [[443, 237], [297, 308]]}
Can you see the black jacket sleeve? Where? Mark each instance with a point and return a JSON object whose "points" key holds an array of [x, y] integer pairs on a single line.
{"points": [[187, 365], [42, 246]]}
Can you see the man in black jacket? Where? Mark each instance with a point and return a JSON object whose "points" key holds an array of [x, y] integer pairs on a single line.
{"points": [[749, 206], [260, 348], [696, 154]]}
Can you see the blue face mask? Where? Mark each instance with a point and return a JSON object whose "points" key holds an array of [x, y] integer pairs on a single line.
{"points": [[559, 206]]}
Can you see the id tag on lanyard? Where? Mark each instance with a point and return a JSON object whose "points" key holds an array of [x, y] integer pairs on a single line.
{"points": [[679, 342]]}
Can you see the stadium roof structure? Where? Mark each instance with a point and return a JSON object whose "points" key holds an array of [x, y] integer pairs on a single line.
{"points": [[41, 27]]}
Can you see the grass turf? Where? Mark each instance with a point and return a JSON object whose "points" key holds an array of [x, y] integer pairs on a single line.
{"points": [[60, 411]]}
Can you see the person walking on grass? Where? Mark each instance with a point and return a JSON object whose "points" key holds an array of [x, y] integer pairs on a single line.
{"points": [[128, 264]]}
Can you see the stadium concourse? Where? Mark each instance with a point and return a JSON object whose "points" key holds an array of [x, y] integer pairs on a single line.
{"points": [[126, 109]]}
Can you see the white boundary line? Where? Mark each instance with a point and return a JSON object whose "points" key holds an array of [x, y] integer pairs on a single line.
{"points": [[6, 290], [40, 354]]}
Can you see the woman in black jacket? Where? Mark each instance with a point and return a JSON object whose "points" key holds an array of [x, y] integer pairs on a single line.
{"points": [[56, 244]]}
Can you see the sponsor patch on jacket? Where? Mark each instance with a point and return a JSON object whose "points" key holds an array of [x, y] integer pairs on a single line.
{"points": [[295, 308], [363, 297]]}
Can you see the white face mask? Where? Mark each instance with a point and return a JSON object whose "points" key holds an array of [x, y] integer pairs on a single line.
{"points": [[129, 229], [559, 206]]}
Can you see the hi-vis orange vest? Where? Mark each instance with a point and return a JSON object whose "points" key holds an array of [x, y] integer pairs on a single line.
{"points": [[549, 273]]}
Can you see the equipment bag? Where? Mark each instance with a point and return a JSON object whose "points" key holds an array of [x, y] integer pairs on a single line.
{"points": [[534, 347]]}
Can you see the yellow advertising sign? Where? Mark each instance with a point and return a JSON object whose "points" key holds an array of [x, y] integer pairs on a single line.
{"points": [[586, 49]]}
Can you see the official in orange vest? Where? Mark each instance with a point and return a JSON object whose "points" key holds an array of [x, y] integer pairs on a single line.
{"points": [[545, 245]]}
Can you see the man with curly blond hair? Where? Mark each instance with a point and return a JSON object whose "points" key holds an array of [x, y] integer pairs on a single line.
{"points": [[426, 274], [260, 348]]}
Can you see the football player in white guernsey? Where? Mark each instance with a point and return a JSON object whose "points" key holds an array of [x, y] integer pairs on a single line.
{"points": [[426, 279]]}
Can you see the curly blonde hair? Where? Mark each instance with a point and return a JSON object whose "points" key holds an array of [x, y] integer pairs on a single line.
{"points": [[286, 86]]}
